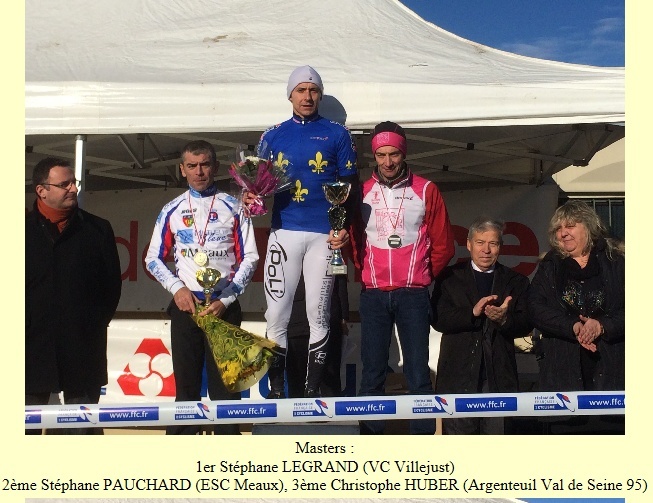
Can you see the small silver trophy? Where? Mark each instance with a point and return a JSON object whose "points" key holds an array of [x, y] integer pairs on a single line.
{"points": [[336, 193]]}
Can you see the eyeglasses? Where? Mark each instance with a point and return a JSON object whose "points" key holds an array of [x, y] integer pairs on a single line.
{"points": [[66, 185]]}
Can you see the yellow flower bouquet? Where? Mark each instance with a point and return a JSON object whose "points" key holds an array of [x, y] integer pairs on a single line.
{"points": [[242, 357]]}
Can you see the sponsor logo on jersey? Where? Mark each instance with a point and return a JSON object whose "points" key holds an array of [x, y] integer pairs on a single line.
{"points": [[275, 281]]}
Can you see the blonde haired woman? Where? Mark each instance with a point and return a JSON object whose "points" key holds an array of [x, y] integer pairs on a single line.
{"points": [[577, 302]]}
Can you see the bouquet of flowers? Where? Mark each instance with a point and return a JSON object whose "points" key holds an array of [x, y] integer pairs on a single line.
{"points": [[241, 356], [263, 177]]}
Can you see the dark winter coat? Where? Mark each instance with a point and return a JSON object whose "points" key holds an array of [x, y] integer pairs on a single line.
{"points": [[560, 367], [461, 351], [72, 289]]}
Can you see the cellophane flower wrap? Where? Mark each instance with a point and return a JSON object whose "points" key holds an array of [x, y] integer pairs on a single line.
{"points": [[263, 177], [242, 357]]}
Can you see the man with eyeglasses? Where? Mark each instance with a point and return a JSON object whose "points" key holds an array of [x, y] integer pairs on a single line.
{"points": [[72, 287]]}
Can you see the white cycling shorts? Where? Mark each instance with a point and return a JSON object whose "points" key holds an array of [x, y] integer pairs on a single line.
{"points": [[288, 253]]}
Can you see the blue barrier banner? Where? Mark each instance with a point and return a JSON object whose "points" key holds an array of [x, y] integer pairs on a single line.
{"points": [[367, 406], [611, 401], [486, 404], [129, 414], [563, 403], [247, 410], [32, 416]]}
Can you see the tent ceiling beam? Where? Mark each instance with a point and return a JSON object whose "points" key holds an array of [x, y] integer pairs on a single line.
{"points": [[600, 143], [71, 155], [595, 148], [138, 160], [431, 168], [105, 172], [149, 139], [463, 169], [212, 141], [502, 178], [66, 142], [543, 174], [480, 147]]}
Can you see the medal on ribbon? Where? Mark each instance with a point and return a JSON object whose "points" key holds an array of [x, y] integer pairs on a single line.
{"points": [[201, 259], [394, 241]]}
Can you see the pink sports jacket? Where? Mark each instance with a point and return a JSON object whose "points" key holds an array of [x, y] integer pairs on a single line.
{"points": [[403, 237]]}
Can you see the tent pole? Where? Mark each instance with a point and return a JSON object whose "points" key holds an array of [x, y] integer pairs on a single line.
{"points": [[80, 164]]}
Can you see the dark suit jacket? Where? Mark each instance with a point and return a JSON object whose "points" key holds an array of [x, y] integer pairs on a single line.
{"points": [[72, 289], [466, 339]]}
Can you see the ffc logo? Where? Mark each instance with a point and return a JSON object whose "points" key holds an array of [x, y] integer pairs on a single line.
{"points": [[87, 415], [443, 405], [149, 371], [204, 411], [564, 401], [213, 216], [322, 407]]}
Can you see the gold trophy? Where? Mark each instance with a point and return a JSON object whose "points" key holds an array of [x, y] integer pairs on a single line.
{"points": [[207, 277], [242, 357], [336, 193]]}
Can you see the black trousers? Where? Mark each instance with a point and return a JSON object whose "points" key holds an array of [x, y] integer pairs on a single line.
{"points": [[190, 352], [297, 360], [89, 396]]}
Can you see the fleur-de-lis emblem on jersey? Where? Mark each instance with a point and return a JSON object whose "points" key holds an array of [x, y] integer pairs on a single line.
{"points": [[280, 162], [317, 163], [299, 192]]}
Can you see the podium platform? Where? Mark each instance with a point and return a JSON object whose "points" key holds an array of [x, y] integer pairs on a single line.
{"points": [[326, 428]]}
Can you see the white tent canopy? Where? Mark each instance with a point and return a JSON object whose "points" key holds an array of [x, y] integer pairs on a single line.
{"points": [[141, 77]]}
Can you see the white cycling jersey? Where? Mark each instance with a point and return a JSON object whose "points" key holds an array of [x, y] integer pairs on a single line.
{"points": [[211, 222]]}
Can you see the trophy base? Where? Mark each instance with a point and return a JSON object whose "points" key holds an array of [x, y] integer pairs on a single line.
{"points": [[334, 270]]}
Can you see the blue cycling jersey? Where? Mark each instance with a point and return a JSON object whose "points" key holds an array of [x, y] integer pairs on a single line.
{"points": [[312, 150]]}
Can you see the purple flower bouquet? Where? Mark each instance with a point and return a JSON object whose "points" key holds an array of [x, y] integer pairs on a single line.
{"points": [[262, 177]]}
